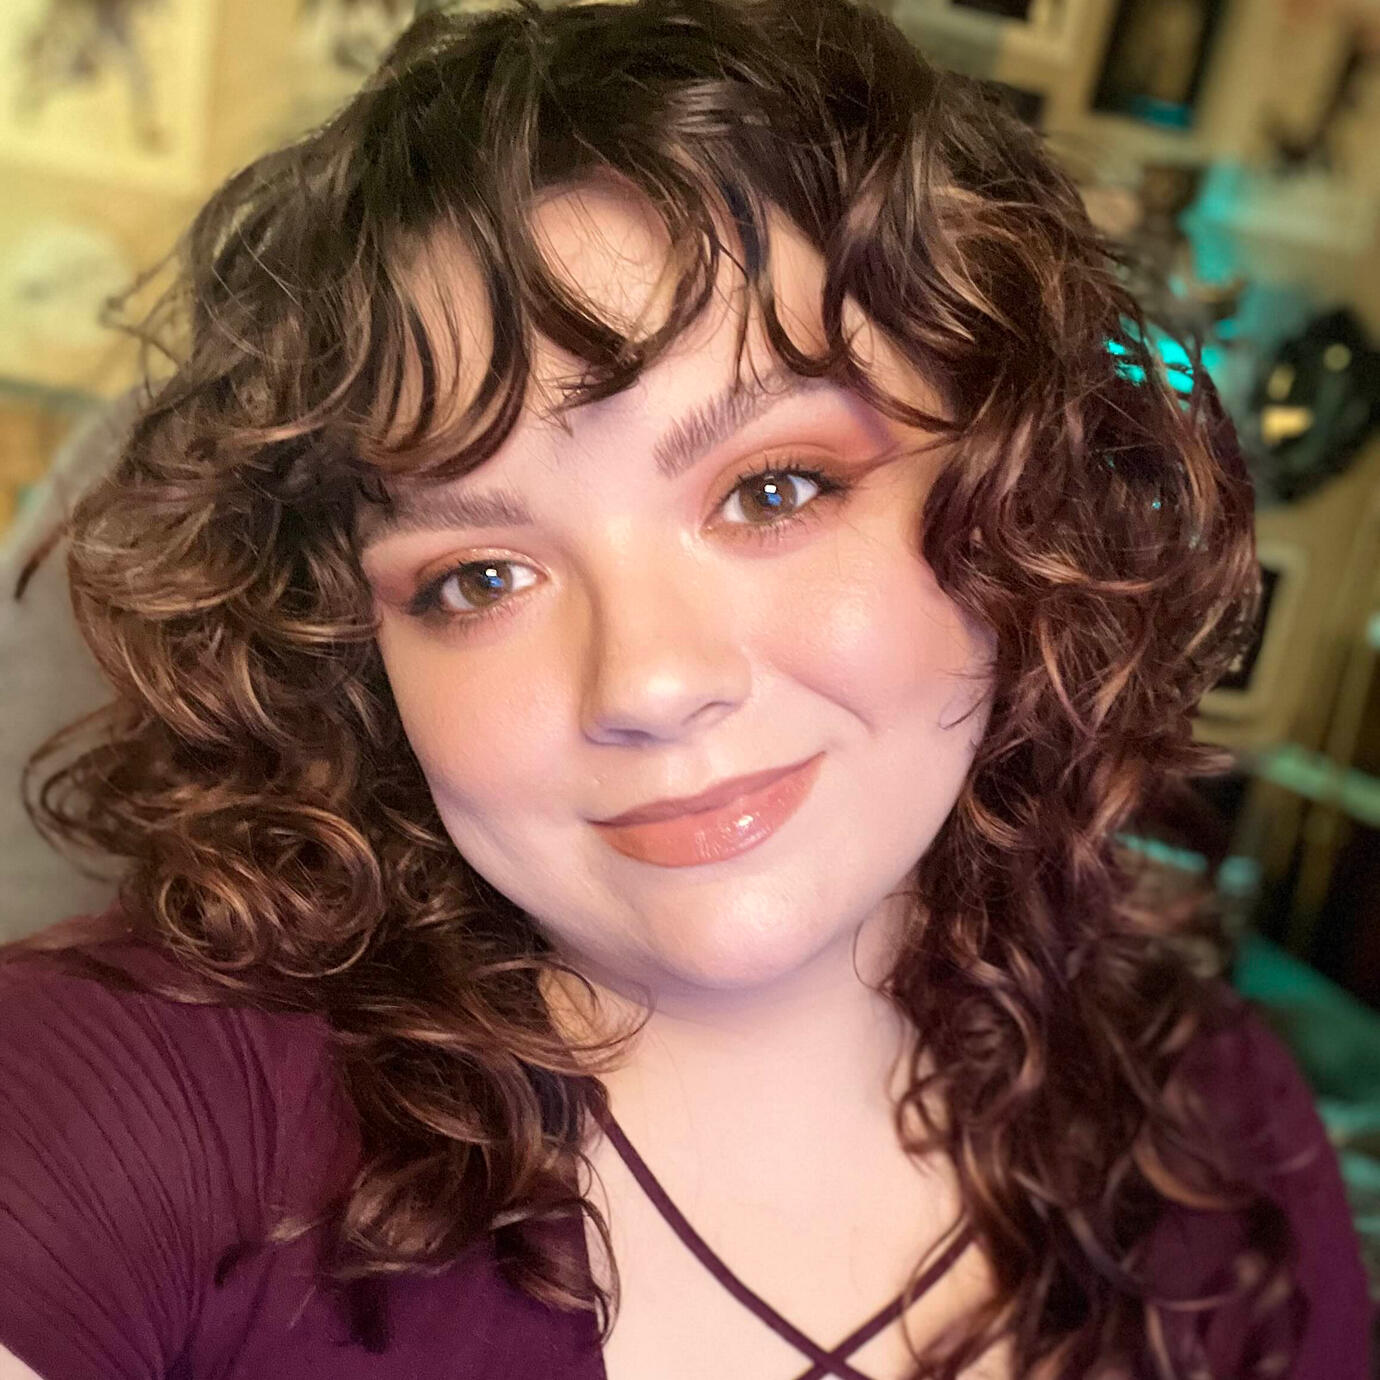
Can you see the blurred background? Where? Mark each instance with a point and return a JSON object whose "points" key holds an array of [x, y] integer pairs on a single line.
{"points": [[1236, 143]]}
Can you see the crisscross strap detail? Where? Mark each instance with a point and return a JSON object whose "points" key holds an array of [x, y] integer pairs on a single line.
{"points": [[826, 1362]]}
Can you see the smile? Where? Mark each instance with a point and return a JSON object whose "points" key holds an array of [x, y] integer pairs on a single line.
{"points": [[686, 834]]}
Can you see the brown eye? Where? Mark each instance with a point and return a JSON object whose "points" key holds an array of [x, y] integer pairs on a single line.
{"points": [[762, 498], [481, 584]]}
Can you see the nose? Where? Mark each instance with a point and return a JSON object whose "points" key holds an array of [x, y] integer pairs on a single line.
{"points": [[663, 657]]}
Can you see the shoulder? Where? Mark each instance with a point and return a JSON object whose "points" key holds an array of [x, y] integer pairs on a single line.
{"points": [[100, 1034], [141, 1137], [1263, 1118], [1259, 1105]]}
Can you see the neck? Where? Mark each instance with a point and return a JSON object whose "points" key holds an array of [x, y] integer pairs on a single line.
{"points": [[774, 1063]]}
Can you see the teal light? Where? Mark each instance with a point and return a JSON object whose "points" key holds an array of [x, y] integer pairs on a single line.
{"points": [[1178, 367], [1182, 859], [1166, 114], [1133, 372], [1227, 192]]}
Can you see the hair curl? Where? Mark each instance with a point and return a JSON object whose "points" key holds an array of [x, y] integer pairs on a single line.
{"points": [[280, 837]]}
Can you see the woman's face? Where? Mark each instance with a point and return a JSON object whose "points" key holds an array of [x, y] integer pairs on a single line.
{"points": [[627, 612]]}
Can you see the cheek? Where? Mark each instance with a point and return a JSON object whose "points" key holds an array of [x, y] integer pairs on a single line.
{"points": [[483, 727], [900, 662], [880, 638]]}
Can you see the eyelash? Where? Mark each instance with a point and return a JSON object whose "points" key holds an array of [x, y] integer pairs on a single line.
{"points": [[426, 602]]}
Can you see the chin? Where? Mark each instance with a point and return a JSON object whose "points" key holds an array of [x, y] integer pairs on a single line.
{"points": [[735, 951]]}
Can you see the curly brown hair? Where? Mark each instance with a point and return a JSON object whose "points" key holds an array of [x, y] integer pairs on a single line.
{"points": [[281, 840]]}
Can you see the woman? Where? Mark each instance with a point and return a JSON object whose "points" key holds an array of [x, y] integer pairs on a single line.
{"points": [[663, 564]]}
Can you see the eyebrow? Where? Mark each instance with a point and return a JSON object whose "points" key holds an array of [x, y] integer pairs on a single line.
{"points": [[683, 444]]}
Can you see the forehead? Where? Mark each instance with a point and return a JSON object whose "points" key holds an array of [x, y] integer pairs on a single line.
{"points": [[604, 242]]}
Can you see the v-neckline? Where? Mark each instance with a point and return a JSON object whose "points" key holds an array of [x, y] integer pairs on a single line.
{"points": [[826, 1361]]}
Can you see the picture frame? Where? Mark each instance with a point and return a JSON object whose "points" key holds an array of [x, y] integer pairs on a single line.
{"points": [[1155, 63], [1003, 9], [116, 89], [1249, 685], [1006, 40]]}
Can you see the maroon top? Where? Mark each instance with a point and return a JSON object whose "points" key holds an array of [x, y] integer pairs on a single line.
{"points": [[141, 1139]]}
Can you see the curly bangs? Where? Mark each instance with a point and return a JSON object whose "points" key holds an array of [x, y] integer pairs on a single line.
{"points": [[280, 836]]}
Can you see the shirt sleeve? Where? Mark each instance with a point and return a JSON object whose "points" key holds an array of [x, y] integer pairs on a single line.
{"points": [[1264, 1102], [139, 1138]]}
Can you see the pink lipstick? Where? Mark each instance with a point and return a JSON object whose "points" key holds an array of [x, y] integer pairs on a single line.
{"points": [[721, 823]]}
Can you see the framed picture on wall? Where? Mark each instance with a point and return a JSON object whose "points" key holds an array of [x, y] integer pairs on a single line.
{"points": [[112, 88], [995, 38], [1157, 56], [1246, 689], [1034, 15], [1007, 9]]}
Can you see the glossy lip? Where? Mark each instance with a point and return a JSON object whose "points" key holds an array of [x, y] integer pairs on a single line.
{"points": [[722, 831], [705, 800]]}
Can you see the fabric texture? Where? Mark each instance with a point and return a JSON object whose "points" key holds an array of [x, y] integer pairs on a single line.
{"points": [[143, 1140]]}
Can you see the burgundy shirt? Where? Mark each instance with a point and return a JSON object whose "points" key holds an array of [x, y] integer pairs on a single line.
{"points": [[141, 1138]]}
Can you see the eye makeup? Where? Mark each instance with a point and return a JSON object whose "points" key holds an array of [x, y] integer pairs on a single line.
{"points": [[428, 605]]}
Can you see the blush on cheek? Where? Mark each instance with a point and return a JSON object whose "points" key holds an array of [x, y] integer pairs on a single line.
{"points": [[483, 742], [883, 646]]}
